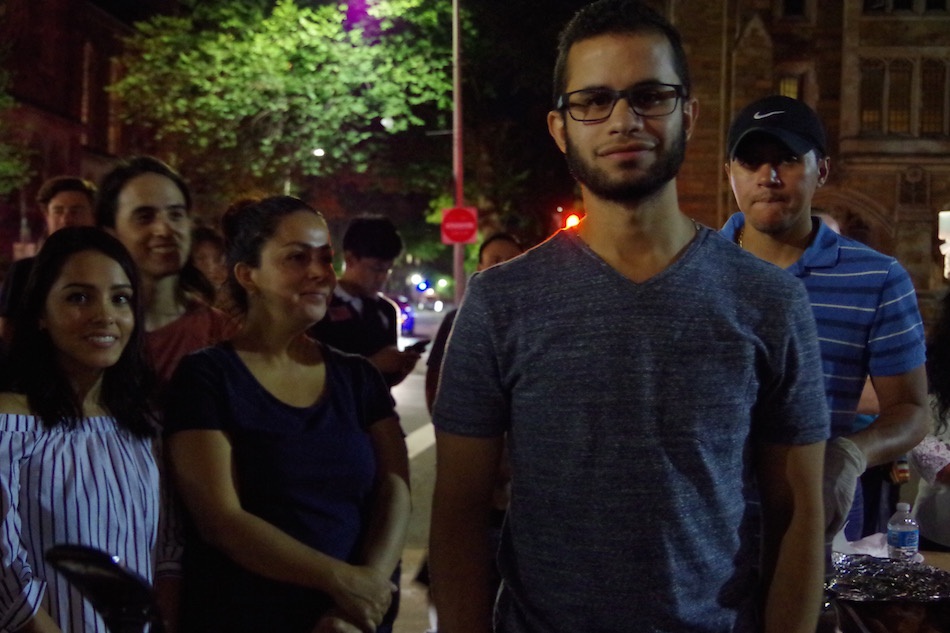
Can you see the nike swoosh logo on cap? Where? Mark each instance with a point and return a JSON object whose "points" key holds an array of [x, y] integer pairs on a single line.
{"points": [[759, 115]]}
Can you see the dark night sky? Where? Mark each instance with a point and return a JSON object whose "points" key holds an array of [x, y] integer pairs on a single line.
{"points": [[130, 11], [508, 83]]}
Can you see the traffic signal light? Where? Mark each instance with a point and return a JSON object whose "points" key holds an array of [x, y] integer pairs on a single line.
{"points": [[566, 218]]}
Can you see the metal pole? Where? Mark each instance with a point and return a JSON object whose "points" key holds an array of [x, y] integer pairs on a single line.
{"points": [[458, 253]]}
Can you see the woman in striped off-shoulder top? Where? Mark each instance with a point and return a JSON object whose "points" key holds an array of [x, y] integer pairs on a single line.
{"points": [[76, 461]]}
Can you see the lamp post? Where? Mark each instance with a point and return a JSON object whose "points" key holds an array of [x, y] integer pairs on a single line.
{"points": [[458, 250]]}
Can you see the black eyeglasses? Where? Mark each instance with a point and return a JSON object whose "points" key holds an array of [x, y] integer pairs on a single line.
{"points": [[597, 104]]}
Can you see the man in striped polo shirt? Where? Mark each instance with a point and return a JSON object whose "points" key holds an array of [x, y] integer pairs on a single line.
{"points": [[864, 302]]}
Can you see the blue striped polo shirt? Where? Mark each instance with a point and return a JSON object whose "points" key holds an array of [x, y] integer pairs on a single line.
{"points": [[866, 313]]}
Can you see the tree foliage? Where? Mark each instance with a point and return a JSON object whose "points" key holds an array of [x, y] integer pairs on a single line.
{"points": [[240, 95], [516, 170], [14, 160]]}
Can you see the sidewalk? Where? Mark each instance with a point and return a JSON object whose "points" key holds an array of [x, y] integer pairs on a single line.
{"points": [[413, 608], [410, 403]]}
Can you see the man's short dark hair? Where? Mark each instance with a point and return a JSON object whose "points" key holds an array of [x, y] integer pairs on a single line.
{"points": [[54, 186], [501, 236], [112, 183], [372, 236], [606, 17]]}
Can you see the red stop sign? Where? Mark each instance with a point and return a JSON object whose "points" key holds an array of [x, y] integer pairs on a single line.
{"points": [[460, 225]]}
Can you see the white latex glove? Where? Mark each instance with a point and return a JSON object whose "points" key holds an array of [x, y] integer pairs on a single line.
{"points": [[844, 463]]}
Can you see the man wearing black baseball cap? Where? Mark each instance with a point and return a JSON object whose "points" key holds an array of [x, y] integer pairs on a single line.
{"points": [[789, 120], [864, 302]]}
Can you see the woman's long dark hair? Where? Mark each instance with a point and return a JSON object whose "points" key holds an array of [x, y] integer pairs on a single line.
{"points": [[32, 367], [938, 363]]}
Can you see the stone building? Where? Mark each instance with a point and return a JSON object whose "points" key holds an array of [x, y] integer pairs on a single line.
{"points": [[878, 74], [61, 55]]}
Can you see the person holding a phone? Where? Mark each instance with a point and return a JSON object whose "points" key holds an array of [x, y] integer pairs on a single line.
{"points": [[360, 319], [418, 347]]}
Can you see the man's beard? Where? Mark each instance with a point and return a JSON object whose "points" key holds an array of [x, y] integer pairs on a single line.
{"points": [[629, 189]]}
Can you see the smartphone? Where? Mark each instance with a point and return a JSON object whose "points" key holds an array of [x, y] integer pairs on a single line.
{"points": [[418, 346]]}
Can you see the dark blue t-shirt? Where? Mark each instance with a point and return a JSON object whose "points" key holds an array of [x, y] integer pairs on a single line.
{"points": [[307, 470]]}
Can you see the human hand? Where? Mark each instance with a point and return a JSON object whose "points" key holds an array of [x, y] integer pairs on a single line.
{"points": [[334, 622], [41, 622], [844, 463], [362, 596], [409, 360], [391, 360], [943, 476]]}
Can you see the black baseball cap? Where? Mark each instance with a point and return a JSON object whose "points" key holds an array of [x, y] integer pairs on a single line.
{"points": [[789, 120]]}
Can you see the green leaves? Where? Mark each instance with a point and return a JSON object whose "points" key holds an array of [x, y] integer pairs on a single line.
{"points": [[242, 95], [14, 159]]}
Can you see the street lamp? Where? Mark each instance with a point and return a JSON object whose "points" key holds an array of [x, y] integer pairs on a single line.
{"points": [[458, 250], [943, 234]]}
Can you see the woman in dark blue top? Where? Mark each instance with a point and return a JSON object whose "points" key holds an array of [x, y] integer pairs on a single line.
{"points": [[287, 454]]}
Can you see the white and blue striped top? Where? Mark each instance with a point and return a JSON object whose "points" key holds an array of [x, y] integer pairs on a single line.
{"points": [[866, 311], [94, 485]]}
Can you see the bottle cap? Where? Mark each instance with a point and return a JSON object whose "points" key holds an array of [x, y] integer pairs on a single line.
{"points": [[903, 507]]}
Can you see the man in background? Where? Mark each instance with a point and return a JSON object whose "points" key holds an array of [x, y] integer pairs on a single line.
{"points": [[147, 205], [64, 201], [649, 379], [360, 319], [864, 302]]}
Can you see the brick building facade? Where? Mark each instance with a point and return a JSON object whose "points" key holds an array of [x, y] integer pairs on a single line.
{"points": [[61, 55]]}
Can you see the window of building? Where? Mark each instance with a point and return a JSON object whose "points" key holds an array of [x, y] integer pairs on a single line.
{"points": [[793, 8], [86, 105], [905, 97], [935, 98], [899, 93], [872, 96], [790, 86], [114, 132], [904, 6]]}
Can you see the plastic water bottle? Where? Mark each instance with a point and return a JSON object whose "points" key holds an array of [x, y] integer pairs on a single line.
{"points": [[903, 534]]}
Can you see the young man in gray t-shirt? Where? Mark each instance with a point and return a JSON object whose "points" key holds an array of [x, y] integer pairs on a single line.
{"points": [[651, 378]]}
